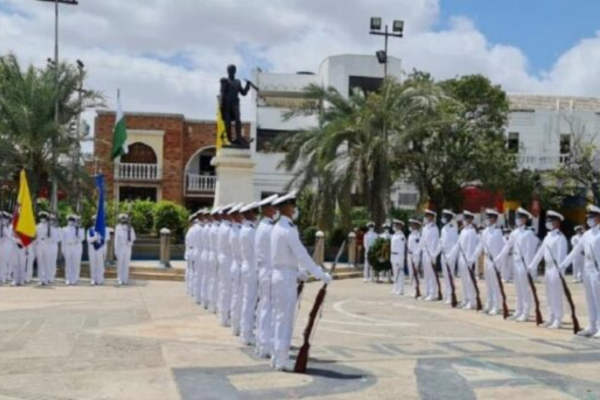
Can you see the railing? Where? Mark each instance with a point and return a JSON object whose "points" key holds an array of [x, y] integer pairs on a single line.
{"points": [[200, 183], [541, 163], [138, 172]]}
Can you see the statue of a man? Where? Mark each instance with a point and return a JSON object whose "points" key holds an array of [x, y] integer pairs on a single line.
{"points": [[229, 99]]}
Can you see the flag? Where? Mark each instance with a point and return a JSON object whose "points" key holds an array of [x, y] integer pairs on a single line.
{"points": [[100, 226], [24, 221], [120, 132], [221, 133]]}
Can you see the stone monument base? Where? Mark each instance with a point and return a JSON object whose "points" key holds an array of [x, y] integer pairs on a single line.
{"points": [[235, 176]]}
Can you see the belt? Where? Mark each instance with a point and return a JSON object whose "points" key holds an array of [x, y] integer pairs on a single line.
{"points": [[394, 253]]}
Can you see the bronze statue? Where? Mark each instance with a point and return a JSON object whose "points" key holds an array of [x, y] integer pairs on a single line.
{"points": [[229, 100]]}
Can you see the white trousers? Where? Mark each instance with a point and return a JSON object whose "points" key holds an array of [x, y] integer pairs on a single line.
{"points": [[507, 269], [398, 267], [413, 263], [72, 254], [236, 296], [5, 250], [264, 324], [19, 264], [592, 295], [523, 290], [554, 295], [52, 260], [43, 255], [198, 274], [367, 273], [494, 296], [447, 276], [431, 288], [213, 283], [285, 297], [189, 271], [467, 283], [224, 292], [206, 277], [123, 260], [29, 266], [249, 291], [578, 268], [96, 264]]}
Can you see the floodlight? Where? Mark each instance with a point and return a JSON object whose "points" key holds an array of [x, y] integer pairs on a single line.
{"points": [[375, 23]]}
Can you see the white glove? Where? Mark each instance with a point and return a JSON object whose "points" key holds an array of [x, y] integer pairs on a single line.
{"points": [[326, 278], [302, 275]]}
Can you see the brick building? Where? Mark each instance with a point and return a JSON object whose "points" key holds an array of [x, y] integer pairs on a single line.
{"points": [[169, 158]]}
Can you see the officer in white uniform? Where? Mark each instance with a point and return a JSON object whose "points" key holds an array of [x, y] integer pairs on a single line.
{"points": [[507, 265], [207, 258], [189, 254], [464, 251], [398, 250], [213, 262], [520, 244], [287, 254], [124, 239], [6, 246], [72, 237], [369, 239], [578, 260], [53, 243], [236, 267], [590, 245], [491, 244], [448, 240], [224, 268], [249, 284], [414, 252], [430, 239], [96, 253], [264, 321], [199, 255], [42, 248], [553, 251]]}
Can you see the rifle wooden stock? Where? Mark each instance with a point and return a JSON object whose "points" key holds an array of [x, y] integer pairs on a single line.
{"points": [[479, 306], [576, 327], [454, 301], [505, 313], [538, 314], [437, 279], [416, 278]]}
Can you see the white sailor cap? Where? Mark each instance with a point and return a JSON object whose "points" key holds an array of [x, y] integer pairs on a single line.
{"points": [[578, 228], [268, 201], [523, 212], [250, 207], [224, 210], [215, 211], [123, 217], [592, 209], [6, 215], [71, 217], [43, 214], [386, 224], [398, 222], [289, 198], [491, 211], [430, 212], [468, 214], [370, 224], [448, 212], [554, 215], [235, 209], [414, 221]]}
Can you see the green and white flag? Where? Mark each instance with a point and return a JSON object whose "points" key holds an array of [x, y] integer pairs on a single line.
{"points": [[120, 146]]}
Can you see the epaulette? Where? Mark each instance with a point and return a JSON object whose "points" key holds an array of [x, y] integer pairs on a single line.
{"points": [[292, 225]]}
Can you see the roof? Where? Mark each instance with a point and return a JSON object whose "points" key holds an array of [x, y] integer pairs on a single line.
{"points": [[531, 102]]}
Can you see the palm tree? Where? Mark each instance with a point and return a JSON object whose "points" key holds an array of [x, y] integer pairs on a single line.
{"points": [[29, 133], [348, 155]]}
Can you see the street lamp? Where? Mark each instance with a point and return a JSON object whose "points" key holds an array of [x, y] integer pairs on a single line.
{"points": [[397, 31], [54, 195]]}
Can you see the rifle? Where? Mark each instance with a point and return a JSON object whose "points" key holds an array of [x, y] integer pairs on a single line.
{"points": [[538, 314], [568, 295], [505, 313], [437, 277], [454, 301], [416, 276], [302, 359], [300, 287], [479, 306]]}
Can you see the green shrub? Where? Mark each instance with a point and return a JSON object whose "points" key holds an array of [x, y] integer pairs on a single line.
{"points": [[142, 216], [309, 235], [171, 216], [336, 237]]}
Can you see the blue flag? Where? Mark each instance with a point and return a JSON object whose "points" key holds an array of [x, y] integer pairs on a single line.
{"points": [[100, 226]]}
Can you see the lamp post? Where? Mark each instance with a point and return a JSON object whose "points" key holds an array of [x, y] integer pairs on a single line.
{"points": [[382, 57], [54, 195]]}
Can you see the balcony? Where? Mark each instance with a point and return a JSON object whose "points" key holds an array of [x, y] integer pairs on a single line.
{"points": [[200, 185], [541, 162], [137, 172]]}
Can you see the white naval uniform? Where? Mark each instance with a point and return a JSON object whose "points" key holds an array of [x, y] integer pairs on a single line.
{"points": [[124, 239], [30, 255], [414, 256], [72, 238], [578, 260], [18, 261], [430, 238], [264, 331], [214, 262], [491, 244], [189, 258], [43, 252], [236, 278], [53, 251], [369, 239], [208, 258], [590, 245], [96, 256], [535, 245], [507, 266], [6, 247], [553, 250], [249, 286], [468, 240], [224, 274], [520, 244], [398, 250], [287, 255], [199, 264], [448, 240]]}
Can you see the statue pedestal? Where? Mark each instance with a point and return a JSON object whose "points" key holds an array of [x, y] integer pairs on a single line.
{"points": [[235, 176]]}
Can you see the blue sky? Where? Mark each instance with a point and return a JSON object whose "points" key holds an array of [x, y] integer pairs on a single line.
{"points": [[542, 29]]}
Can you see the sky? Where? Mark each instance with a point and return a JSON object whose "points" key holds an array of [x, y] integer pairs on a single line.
{"points": [[168, 55]]}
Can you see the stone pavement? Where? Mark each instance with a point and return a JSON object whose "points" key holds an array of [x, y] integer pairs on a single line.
{"points": [[149, 341]]}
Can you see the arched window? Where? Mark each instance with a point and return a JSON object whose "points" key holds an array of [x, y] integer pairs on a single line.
{"points": [[139, 153]]}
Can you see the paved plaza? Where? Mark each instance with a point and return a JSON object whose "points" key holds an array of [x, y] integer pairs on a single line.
{"points": [[149, 341]]}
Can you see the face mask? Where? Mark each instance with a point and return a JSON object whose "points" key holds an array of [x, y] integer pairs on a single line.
{"points": [[276, 215], [444, 220], [519, 222], [549, 226], [43, 220], [71, 223], [487, 222], [591, 222], [411, 229], [296, 214]]}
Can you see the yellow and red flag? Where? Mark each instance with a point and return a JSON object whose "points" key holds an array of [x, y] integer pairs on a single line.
{"points": [[221, 132], [24, 221]]}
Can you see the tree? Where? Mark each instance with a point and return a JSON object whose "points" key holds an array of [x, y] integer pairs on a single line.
{"points": [[29, 134]]}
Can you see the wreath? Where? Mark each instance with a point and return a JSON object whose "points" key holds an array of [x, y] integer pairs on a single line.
{"points": [[379, 255]]}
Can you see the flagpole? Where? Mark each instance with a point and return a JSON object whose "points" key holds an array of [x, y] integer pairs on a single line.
{"points": [[116, 190]]}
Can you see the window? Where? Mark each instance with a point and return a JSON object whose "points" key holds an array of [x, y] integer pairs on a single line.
{"points": [[565, 144], [127, 193], [139, 153], [268, 140], [366, 84], [513, 142]]}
